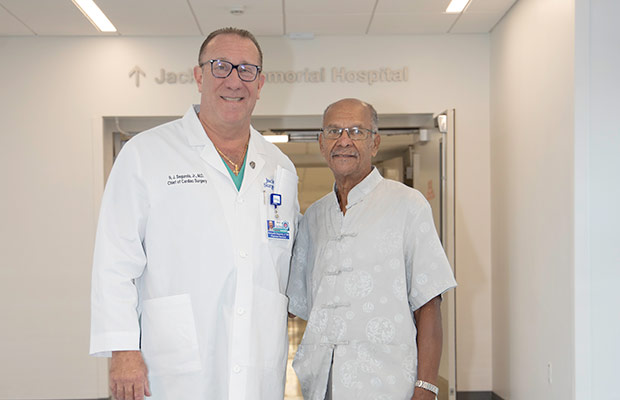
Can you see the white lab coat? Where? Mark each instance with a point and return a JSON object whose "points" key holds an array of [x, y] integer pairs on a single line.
{"points": [[185, 271]]}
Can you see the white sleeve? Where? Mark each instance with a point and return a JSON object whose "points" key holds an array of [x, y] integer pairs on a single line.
{"points": [[119, 257], [428, 271]]}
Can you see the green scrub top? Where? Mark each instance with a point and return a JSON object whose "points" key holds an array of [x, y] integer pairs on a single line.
{"points": [[237, 179]]}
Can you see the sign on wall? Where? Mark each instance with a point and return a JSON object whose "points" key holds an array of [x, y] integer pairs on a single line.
{"points": [[307, 75]]}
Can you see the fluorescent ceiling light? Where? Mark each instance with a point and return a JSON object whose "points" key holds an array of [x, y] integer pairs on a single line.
{"points": [[95, 15], [304, 136], [276, 138], [456, 6]]}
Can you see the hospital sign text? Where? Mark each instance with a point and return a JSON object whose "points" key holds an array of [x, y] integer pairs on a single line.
{"points": [[306, 75]]}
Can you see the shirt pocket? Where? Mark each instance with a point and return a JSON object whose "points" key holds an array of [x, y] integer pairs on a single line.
{"points": [[169, 341]]}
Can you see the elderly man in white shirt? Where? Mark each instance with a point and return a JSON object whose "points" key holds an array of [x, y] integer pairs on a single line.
{"points": [[367, 274]]}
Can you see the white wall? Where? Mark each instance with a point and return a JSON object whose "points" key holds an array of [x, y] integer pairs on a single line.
{"points": [[55, 89], [532, 181], [582, 285], [599, 147]]}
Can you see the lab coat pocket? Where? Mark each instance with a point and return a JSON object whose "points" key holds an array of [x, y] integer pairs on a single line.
{"points": [[270, 327], [169, 340]]}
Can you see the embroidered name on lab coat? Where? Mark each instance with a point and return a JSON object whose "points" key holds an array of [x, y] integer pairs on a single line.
{"points": [[181, 179]]}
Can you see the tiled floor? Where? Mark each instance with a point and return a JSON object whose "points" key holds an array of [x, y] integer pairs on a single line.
{"points": [[296, 327]]}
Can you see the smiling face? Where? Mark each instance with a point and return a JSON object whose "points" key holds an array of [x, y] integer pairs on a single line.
{"points": [[228, 102], [349, 160]]}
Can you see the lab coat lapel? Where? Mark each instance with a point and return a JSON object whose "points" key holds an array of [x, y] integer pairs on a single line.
{"points": [[197, 136], [223, 185], [256, 157], [210, 155]]}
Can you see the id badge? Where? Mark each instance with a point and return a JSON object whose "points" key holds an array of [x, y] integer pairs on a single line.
{"points": [[278, 229]]}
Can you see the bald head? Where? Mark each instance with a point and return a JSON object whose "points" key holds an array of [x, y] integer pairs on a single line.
{"points": [[353, 103]]}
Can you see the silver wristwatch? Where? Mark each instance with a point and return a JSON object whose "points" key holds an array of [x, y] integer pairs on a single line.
{"points": [[428, 386]]}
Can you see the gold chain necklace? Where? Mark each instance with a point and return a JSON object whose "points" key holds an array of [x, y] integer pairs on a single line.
{"points": [[235, 165]]}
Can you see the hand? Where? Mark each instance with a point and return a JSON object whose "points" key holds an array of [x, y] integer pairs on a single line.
{"points": [[128, 376]]}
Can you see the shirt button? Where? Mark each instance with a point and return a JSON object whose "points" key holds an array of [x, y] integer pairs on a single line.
{"points": [[239, 200], [236, 369], [240, 311], [243, 254]]}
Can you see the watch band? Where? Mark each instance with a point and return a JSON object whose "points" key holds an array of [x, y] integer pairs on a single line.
{"points": [[428, 386]]}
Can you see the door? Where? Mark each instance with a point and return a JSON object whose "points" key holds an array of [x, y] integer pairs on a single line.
{"points": [[432, 159], [416, 149]]}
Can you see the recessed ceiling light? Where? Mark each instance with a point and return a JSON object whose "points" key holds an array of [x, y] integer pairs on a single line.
{"points": [[95, 15], [456, 6]]}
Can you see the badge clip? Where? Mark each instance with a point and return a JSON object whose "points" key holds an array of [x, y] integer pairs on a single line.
{"points": [[275, 199]]}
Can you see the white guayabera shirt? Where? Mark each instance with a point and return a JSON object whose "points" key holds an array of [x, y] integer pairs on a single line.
{"points": [[357, 279]]}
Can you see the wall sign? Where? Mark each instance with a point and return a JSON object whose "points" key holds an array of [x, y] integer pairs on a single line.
{"points": [[339, 75], [307, 75]]}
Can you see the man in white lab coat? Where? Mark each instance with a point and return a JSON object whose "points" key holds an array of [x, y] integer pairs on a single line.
{"points": [[367, 274], [193, 246]]}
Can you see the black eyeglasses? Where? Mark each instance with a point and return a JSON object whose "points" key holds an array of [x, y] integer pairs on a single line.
{"points": [[222, 69], [354, 133]]}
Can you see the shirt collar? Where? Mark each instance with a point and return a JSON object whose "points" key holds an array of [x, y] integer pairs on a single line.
{"points": [[196, 135], [193, 128], [363, 188]]}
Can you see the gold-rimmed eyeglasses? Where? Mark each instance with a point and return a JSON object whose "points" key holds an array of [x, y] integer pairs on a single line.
{"points": [[354, 133]]}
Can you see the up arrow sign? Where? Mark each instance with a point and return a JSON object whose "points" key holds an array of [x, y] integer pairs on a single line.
{"points": [[137, 71]]}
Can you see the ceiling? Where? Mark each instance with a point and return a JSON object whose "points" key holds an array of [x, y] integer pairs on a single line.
{"points": [[262, 17]]}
